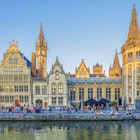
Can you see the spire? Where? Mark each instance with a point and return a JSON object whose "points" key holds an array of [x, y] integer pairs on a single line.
{"points": [[57, 61], [133, 34], [41, 35], [116, 63]]}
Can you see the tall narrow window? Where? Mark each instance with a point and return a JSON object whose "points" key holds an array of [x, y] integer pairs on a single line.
{"points": [[90, 93], [37, 89], [44, 89], [108, 93], [72, 95], [7, 99], [15, 78], [60, 100], [26, 99], [138, 93], [21, 88], [11, 99], [16, 88], [138, 69], [117, 93], [60, 88], [130, 57], [99, 93], [81, 94], [25, 88], [57, 75], [53, 100], [53, 88], [138, 55], [21, 99]]}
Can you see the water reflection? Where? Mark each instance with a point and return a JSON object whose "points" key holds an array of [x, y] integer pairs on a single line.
{"points": [[70, 130]]}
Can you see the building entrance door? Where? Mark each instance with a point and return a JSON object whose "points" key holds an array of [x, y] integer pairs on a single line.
{"points": [[16, 102], [39, 102], [45, 104]]}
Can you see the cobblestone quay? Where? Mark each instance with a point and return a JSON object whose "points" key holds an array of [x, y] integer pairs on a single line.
{"points": [[63, 116]]}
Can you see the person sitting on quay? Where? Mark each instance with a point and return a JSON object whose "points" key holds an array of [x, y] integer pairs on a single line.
{"points": [[68, 109], [114, 111], [50, 109], [97, 112], [129, 111], [37, 109], [6, 110]]}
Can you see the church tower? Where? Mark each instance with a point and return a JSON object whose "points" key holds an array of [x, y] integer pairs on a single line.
{"points": [[131, 61], [41, 55], [115, 70]]}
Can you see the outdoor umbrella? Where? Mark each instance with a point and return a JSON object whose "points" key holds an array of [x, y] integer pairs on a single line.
{"points": [[103, 100], [91, 101]]}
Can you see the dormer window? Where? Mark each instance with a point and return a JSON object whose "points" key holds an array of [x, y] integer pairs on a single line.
{"points": [[57, 75]]}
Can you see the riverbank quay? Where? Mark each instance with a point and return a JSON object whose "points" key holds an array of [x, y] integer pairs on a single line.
{"points": [[64, 116]]}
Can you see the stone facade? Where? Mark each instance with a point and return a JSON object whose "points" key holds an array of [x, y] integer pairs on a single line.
{"points": [[15, 77], [25, 82], [131, 61], [58, 86]]}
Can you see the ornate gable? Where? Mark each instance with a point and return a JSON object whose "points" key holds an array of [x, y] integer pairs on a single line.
{"points": [[57, 67], [82, 71], [14, 61]]}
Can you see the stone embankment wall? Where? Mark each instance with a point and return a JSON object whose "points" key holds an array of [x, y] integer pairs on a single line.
{"points": [[67, 117]]}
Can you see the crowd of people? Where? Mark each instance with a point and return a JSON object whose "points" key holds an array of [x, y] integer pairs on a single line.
{"points": [[21, 110], [96, 109]]}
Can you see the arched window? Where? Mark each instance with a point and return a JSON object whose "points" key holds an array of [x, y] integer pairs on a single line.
{"points": [[60, 88], [57, 75], [53, 88]]}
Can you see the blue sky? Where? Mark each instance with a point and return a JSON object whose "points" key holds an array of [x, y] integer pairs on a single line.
{"points": [[74, 29]]}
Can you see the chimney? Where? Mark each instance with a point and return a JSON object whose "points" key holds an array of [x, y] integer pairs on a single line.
{"points": [[33, 64]]}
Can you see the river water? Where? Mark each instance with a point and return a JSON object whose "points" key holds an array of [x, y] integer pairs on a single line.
{"points": [[91, 130]]}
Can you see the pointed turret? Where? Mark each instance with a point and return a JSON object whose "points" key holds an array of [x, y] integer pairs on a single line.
{"points": [[116, 63], [115, 70], [82, 71], [97, 69], [133, 34]]}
